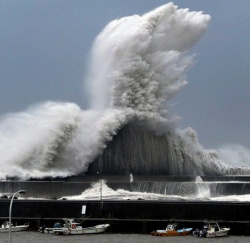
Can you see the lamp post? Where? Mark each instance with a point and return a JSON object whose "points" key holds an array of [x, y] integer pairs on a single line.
{"points": [[11, 202]]}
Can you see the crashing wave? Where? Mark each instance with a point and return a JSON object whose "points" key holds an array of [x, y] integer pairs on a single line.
{"points": [[138, 64]]}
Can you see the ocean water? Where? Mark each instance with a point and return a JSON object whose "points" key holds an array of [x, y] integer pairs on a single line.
{"points": [[36, 237]]}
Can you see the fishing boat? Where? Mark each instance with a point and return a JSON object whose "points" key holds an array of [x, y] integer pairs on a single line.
{"points": [[44, 229], [172, 230], [212, 229], [6, 226], [70, 227]]}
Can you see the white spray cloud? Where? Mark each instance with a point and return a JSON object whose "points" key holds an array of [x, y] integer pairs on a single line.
{"points": [[55, 139], [234, 154], [138, 64], [94, 131], [28, 139], [139, 61]]}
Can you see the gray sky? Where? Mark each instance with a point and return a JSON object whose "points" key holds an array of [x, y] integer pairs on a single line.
{"points": [[44, 47]]}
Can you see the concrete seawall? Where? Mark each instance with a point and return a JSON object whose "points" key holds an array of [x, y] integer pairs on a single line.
{"points": [[130, 216], [170, 185]]}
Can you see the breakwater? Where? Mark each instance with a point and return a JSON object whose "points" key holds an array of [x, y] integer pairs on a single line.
{"points": [[166, 185]]}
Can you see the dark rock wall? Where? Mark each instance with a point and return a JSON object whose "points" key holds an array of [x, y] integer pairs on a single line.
{"points": [[139, 151]]}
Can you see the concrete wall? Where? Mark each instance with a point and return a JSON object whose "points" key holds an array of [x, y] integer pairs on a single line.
{"points": [[129, 216], [140, 209]]}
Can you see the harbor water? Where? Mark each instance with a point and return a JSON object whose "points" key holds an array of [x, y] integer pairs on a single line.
{"points": [[36, 237]]}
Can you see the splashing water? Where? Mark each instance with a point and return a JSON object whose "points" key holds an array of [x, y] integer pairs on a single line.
{"points": [[203, 189], [138, 64], [93, 193], [143, 59]]}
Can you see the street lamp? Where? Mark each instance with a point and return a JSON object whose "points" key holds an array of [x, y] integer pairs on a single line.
{"points": [[11, 202]]}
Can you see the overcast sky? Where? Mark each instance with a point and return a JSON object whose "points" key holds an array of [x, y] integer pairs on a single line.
{"points": [[44, 47]]}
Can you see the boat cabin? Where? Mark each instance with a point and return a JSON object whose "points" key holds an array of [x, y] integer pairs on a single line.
{"points": [[173, 227], [70, 223], [6, 224]]}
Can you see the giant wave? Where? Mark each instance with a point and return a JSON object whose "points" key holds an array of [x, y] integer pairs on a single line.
{"points": [[138, 64]]}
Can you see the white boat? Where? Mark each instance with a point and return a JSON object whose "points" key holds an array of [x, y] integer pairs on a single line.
{"points": [[71, 227], [212, 229], [5, 227]]}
